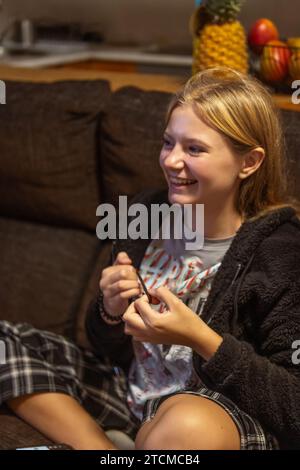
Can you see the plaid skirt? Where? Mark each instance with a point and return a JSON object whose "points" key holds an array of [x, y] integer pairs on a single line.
{"points": [[40, 361]]}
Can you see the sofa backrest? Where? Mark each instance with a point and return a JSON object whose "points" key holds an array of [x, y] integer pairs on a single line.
{"points": [[131, 139], [49, 164]]}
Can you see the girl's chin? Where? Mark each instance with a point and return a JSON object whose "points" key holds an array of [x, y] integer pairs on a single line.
{"points": [[182, 198]]}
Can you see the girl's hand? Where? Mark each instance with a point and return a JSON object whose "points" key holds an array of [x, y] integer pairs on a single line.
{"points": [[118, 284], [176, 325]]}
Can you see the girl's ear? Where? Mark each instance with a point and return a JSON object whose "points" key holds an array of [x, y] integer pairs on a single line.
{"points": [[251, 162]]}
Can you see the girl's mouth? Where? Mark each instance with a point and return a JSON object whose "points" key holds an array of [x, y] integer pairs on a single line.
{"points": [[181, 182]]}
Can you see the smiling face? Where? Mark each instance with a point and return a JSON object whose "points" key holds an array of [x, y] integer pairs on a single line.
{"points": [[198, 163]]}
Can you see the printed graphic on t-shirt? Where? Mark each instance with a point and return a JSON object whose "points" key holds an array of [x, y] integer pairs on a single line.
{"points": [[157, 369], [184, 276]]}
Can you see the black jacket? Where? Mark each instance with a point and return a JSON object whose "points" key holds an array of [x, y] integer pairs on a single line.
{"points": [[254, 304]]}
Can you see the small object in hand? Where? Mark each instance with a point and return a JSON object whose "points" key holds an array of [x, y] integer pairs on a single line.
{"points": [[152, 300]]}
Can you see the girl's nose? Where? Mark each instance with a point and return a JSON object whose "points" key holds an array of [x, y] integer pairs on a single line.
{"points": [[174, 159]]}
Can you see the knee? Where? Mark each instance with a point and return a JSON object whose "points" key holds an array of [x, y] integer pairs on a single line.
{"points": [[171, 432], [184, 426]]}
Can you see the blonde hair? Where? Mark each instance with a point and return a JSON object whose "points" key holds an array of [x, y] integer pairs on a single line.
{"points": [[243, 111]]}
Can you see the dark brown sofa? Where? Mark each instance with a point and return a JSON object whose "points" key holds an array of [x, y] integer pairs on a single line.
{"points": [[65, 148]]}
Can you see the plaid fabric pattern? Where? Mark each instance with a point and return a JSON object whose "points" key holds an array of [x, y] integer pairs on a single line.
{"points": [[41, 361], [252, 435]]}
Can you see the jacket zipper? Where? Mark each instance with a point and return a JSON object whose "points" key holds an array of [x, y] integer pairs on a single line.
{"points": [[236, 274]]}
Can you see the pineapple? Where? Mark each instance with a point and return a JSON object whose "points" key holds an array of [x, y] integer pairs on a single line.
{"points": [[219, 39]]}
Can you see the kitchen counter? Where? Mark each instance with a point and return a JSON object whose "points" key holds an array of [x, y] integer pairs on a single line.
{"points": [[47, 54], [168, 83]]}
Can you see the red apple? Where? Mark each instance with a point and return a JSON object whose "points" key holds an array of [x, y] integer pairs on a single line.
{"points": [[261, 32], [274, 64]]}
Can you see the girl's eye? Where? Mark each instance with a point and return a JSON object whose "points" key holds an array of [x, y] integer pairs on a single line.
{"points": [[167, 143], [194, 150]]}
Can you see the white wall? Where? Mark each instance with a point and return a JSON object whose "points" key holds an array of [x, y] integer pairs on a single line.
{"points": [[148, 21]]}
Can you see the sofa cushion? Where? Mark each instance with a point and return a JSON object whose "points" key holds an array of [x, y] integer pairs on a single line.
{"points": [[48, 159], [131, 139], [43, 272], [14, 432], [291, 127]]}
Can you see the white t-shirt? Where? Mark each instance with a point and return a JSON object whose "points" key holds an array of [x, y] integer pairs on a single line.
{"points": [[157, 369]]}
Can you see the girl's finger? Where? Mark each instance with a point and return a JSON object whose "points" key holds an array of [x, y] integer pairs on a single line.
{"points": [[119, 287], [122, 258], [149, 316], [165, 295], [115, 274], [134, 321]]}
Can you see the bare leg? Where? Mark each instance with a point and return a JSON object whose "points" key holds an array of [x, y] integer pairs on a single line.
{"points": [[61, 418], [186, 422]]}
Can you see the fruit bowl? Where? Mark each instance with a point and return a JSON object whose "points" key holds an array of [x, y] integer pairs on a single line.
{"points": [[278, 64]]}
